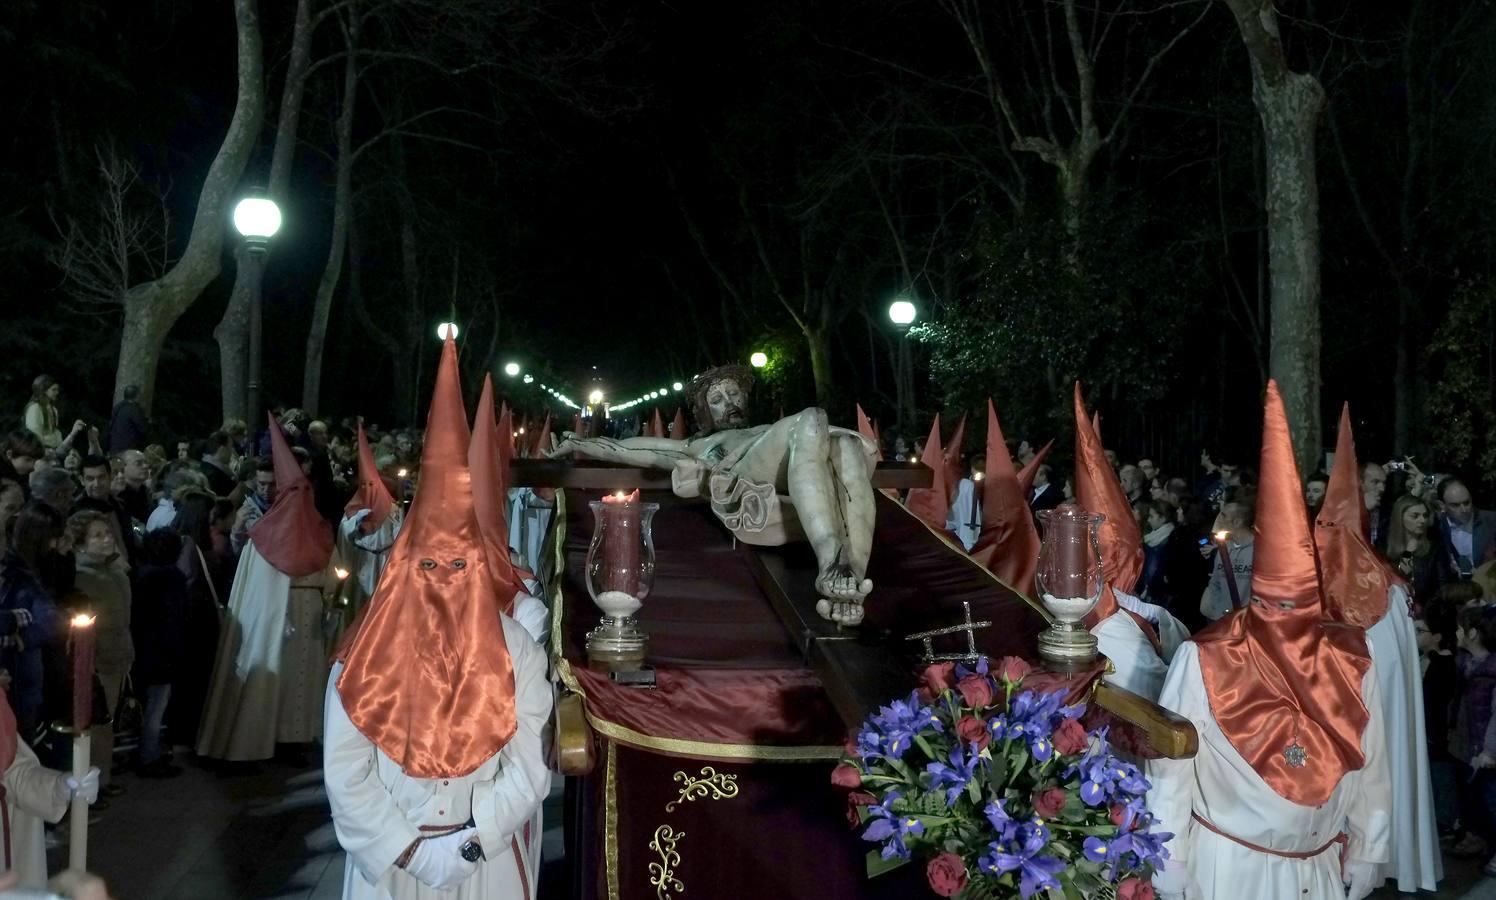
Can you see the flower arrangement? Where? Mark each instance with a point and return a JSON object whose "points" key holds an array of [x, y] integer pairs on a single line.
{"points": [[1000, 790]]}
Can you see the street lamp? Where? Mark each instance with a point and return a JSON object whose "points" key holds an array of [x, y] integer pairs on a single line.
{"points": [[759, 359], [257, 219], [677, 386], [529, 379], [447, 330], [595, 397], [902, 312], [511, 369]]}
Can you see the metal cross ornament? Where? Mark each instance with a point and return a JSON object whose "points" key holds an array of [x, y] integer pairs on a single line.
{"points": [[968, 626], [1295, 755]]}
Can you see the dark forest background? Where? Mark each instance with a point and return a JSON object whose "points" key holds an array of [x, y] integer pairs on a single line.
{"points": [[654, 188]]}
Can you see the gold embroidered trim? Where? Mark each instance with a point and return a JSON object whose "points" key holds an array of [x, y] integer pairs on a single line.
{"points": [[717, 785], [625, 735], [662, 874], [610, 821]]}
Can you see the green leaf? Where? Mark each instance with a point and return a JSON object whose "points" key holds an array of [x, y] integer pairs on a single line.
{"points": [[877, 865]]}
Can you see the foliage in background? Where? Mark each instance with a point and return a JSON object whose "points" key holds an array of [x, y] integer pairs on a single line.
{"points": [[1462, 400]]}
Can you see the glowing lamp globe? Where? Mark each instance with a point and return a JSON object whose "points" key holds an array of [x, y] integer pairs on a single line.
{"points": [[447, 330], [257, 219], [529, 379], [511, 369], [901, 313], [759, 359], [677, 387], [595, 397]]}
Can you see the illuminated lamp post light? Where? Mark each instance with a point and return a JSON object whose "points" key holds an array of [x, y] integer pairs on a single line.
{"points": [[257, 219]]}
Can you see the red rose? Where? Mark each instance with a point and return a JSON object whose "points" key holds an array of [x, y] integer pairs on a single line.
{"points": [[947, 874], [854, 800], [849, 747], [1118, 814], [846, 776], [1070, 737], [1049, 802], [976, 690], [1135, 889], [939, 677], [925, 695], [972, 730], [1012, 669]]}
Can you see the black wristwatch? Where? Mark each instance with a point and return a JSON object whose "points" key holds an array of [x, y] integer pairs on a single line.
{"points": [[472, 851]]}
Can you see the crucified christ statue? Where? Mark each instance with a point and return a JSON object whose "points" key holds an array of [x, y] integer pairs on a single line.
{"points": [[798, 478]]}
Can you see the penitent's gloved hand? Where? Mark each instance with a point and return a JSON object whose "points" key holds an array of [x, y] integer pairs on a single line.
{"points": [[1174, 882], [1360, 878], [439, 863]]}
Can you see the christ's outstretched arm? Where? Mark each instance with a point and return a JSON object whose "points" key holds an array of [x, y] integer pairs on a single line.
{"points": [[648, 452]]}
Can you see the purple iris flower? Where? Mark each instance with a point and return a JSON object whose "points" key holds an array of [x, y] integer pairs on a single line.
{"points": [[887, 825], [956, 776], [1005, 825], [1035, 872], [1149, 847], [1098, 780]]}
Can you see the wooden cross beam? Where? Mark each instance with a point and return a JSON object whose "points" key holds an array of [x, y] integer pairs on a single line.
{"points": [[592, 475]]}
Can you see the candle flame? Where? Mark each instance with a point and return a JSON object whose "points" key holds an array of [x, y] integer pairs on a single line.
{"points": [[402, 473], [82, 620], [340, 572], [913, 459], [977, 476], [1222, 535]]}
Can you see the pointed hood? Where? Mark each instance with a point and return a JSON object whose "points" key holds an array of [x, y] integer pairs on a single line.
{"points": [[865, 428], [656, 425], [1097, 490], [542, 442], [931, 504], [1356, 579], [293, 537], [678, 425], [952, 460], [1030, 469], [372, 493], [428, 677], [1008, 545], [1277, 676], [490, 473]]}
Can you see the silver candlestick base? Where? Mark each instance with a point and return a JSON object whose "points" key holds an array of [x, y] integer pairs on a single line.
{"points": [[1067, 645], [617, 644]]}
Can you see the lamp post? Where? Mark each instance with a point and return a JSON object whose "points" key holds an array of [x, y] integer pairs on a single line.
{"points": [[447, 330], [511, 369], [257, 219], [759, 359], [902, 313]]}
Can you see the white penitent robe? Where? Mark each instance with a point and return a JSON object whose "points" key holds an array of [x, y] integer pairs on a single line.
{"points": [[529, 519], [1137, 665], [1416, 862], [378, 810], [268, 674], [1219, 786], [365, 554], [30, 798], [965, 517]]}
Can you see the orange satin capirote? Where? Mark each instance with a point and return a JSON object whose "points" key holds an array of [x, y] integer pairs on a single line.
{"points": [[678, 425], [491, 491], [1098, 491], [1030, 469], [1355, 577], [1008, 544], [656, 425], [1277, 675], [931, 504], [865, 428], [542, 445], [428, 678], [293, 537], [951, 457], [371, 494]]}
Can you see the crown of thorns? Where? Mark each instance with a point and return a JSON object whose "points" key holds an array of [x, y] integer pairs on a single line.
{"points": [[699, 385]]}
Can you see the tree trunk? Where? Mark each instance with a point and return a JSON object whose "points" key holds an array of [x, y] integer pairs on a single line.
{"points": [[311, 385], [1290, 112], [820, 364], [1289, 105], [232, 332], [152, 308]]}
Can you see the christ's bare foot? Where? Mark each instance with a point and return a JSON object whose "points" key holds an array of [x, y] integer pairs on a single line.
{"points": [[842, 612], [839, 582]]}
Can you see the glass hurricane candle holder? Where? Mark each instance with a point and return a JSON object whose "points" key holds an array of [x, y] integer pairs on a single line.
{"points": [[620, 573], [1070, 583]]}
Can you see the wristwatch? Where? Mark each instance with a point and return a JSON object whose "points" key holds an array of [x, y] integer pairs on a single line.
{"points": [[472, 851]]}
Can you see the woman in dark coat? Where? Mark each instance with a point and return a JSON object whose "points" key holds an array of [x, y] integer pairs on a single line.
{"points": [[30, 621], [201, 568], [158, 621]]}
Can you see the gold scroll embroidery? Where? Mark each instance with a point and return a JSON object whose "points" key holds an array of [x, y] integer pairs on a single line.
{"points": [[717, 785], [662, 874]]}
